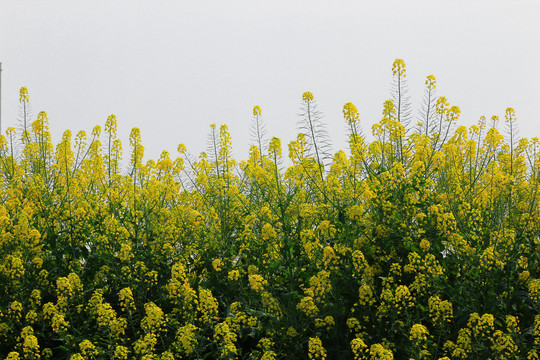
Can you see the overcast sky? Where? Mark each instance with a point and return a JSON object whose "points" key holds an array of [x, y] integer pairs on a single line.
{"points": [[172, 68]]}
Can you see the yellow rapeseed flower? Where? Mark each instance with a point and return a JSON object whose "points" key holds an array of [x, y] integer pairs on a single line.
{"points": [[379, 352], [13, 356], [418, 334], [350, 112], [23, 95], [233, 275], [217, 264], [208, 306], [316, 350], [307, 306], [256, 110], [154, 319], [307, 96], [257, 282], [431, 82], [359, 348], [121, 352], [398, 67], [186, 338], [291, 332]]}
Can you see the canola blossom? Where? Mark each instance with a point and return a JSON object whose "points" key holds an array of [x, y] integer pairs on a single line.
{"points": [[421, 244]]}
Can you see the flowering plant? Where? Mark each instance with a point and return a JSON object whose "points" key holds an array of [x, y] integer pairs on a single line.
{"points": [[419, 244]]}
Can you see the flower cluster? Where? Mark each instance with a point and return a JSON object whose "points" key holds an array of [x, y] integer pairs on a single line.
{"points": [[316, 350]]}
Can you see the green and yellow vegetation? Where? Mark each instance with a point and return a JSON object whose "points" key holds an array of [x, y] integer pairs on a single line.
{"points": [[420, 244]]}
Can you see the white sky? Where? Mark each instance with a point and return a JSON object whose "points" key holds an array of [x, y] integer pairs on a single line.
{"points": [[172, 68]]}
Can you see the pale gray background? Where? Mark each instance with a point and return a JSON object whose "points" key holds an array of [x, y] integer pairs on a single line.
{"points": [[172, 68]]}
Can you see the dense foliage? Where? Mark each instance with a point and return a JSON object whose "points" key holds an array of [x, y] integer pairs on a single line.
{"points": [[420, 244]]}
